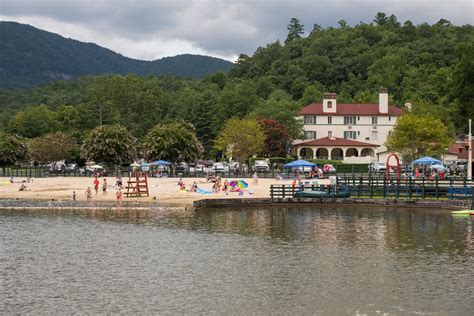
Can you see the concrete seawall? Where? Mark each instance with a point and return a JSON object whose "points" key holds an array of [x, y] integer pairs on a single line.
{"points": [[443, 204]]}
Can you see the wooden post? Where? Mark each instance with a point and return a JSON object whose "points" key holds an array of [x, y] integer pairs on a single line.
{"points": [[384, 187], [271, 192], [437, 187], [409, 189], [283, 188]]}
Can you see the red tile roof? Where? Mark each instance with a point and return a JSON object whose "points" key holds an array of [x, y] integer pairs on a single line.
{"points": [[334, 141], [463, 154], [455, 149], [351, 109]]}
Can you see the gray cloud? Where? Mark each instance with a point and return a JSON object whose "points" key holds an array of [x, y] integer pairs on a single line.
{"points": [[151, 29]]}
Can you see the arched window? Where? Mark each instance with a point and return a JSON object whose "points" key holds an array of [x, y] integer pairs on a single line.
{"points": [[337, 154], [306, 153], [367, 152], [352, 152], [329, 104], [322, 153]]}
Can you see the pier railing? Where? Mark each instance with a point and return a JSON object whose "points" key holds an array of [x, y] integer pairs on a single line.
{"points": [[382, 188]]}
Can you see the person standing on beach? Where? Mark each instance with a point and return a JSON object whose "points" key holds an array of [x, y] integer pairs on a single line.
{"points": [[88, 194], [73, 195], [255, 177], [118, 196], [104, 186], [96, 185]]}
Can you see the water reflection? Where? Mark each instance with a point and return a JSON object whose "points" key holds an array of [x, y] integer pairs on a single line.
{"points": [[308, 260]]}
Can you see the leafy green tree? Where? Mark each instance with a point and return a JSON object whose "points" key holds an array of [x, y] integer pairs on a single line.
{"points": [[237, 100], [67, 118], [281, 107], [295, 30], [109, 144], [463, 85], [415, 136], [13, 150], [33, 122], [240, 138], [381, 19], [311, 94], [173, 142], [53, 147]]}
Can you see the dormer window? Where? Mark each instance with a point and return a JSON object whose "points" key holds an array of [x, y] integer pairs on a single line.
{"points": [[329, 104]]}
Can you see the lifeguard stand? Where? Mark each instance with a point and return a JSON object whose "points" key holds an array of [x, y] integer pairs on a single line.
{"points": [[137, 184]]}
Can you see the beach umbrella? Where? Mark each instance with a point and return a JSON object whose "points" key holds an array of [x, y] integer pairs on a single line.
{"points": [[438, 167], [426, 161], [161, 163], [238, 185], [135, 164]]}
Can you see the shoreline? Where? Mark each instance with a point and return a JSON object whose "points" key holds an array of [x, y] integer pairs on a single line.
{"points": [[162, 191]]}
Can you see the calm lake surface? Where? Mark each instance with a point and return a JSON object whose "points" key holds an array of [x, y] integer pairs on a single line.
{"points": [[301, 260]]}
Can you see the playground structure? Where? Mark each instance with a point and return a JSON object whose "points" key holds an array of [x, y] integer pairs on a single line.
{"points": [[137, 184], [396, 166]]}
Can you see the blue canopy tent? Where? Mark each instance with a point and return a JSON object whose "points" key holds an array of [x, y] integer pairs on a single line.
{"points": [[426, 161], [300, 164], [160, 163]]}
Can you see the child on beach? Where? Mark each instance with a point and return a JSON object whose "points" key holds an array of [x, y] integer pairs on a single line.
{"points": [[104, 186], [118, 196], [255, 177], [88, 194]]}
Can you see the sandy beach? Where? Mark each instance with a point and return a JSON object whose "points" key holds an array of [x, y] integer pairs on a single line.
{"points": [[162, 190]]}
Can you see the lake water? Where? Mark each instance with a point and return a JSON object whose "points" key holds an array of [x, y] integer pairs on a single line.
{"points": [[301, 260]]}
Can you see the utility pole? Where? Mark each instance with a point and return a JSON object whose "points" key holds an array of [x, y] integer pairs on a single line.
{"points": [[469, 153]]}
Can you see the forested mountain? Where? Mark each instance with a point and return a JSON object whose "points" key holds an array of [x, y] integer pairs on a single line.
{"points": [[429, 66], [30, 56]]}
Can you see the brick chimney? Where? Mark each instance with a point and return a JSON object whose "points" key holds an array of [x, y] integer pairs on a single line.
{"points": [[383, 101], [329, 103]]}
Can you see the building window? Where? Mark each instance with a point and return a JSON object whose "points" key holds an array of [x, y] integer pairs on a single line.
{"points": [[310, 134], [329, 104], [310, 120], [375, 135], [350, 135], [358, 133], [329, 119], [349, 120], [375, 120], [329, 134], [389, 118]]}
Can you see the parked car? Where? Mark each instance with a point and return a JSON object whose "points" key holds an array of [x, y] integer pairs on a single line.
{"points": [[261, 165], [377, 167], [182, 167], [460, 166], [220, 167], [71, 167]]}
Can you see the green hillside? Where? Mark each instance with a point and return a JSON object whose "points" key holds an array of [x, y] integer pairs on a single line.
{"points": [[429, 66], [29, 56]]}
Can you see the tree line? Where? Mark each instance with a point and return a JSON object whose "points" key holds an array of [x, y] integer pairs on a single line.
{"points": [[429, 66]]}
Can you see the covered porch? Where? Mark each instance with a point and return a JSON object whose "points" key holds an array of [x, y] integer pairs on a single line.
{"points": [[349, 151]]}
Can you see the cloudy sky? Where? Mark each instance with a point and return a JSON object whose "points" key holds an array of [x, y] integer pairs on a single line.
{"points": [[151, 29]]}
